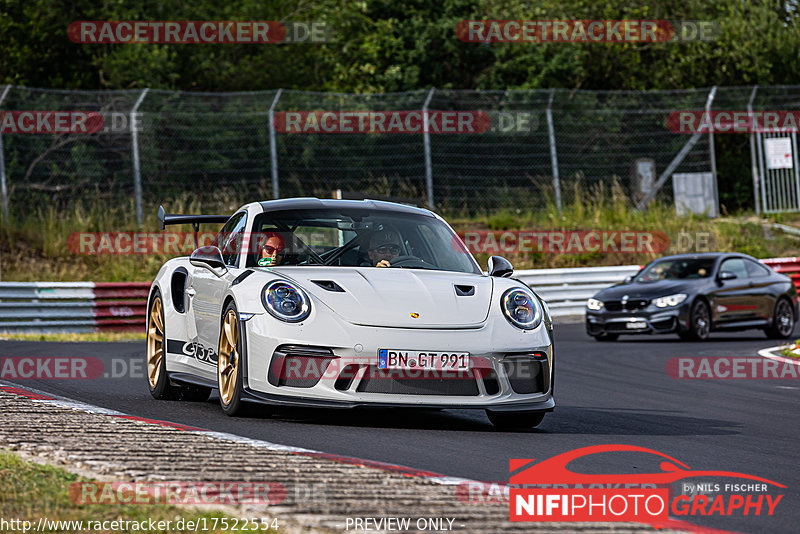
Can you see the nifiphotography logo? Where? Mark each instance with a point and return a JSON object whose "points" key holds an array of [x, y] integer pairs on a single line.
{"points": [[549, 491]]}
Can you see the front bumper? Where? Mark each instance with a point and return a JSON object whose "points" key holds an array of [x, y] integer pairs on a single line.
{"points": [[334, 365], [648, 320]]}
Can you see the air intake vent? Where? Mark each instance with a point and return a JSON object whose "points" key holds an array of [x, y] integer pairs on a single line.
{"points": [[465, 291], [298, 366], [329, 285]]}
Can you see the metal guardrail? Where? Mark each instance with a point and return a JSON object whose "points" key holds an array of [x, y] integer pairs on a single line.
{"points": [[565, 290], [117, 306], [788, 266], [45, 307]]}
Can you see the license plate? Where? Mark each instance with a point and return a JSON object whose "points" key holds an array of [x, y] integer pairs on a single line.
{"points": [[636, 325], [412, 359]]}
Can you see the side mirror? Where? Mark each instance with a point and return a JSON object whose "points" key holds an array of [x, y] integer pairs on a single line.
{"points": [[628, 279], [209, 257], [499, 266], [726, 275]]}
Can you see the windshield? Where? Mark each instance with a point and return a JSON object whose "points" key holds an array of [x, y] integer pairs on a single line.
{"points": [[357, 238], [677, 269]]}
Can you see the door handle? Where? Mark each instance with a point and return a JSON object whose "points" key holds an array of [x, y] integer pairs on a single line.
{"points": [[190, 292]]}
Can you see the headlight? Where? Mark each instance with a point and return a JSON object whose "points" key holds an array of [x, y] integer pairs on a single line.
{"points": [[286, 302], [594, 304], [669, 300], [521, 309]]}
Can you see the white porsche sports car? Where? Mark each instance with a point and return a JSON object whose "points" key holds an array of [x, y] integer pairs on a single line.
{"points": [[340, 303]]}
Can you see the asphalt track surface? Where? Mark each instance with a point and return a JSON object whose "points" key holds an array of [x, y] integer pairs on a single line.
{"points": [[606, 393]]}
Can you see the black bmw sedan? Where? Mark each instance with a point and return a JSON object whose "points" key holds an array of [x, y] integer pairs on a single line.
{"points": [[693, 295]]}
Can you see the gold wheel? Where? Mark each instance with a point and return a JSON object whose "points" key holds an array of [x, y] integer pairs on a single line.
{"points": [[229, 357], [155, 341]]}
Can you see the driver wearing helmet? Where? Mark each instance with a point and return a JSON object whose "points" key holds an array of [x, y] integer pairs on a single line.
{"points": [[384, 245]]}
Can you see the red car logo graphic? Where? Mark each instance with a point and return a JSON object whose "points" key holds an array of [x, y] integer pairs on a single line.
{"points": [[554, 470]]}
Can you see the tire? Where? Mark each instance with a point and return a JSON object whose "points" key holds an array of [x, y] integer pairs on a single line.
{"points": [[155, 361], [515, 420], [782, 321], [606, 337], [229, 362], [699, 323]]}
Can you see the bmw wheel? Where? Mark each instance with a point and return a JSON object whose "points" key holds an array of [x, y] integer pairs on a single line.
{"points": [[699, 322], [782, 320]]}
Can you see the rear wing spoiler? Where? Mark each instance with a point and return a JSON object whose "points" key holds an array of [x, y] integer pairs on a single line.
{"points": [[165, 219]]}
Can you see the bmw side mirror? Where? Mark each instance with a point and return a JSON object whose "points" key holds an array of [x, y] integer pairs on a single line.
{"points": [[726, 275], [628, 279], [499, 266], [209, 257]]}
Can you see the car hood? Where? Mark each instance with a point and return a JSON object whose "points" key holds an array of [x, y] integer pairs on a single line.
{"points": [[649, 290], [391, 297]]}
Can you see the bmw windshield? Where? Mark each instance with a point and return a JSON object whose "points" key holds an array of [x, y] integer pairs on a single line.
{"points": [[677, 269], [357, 238]]}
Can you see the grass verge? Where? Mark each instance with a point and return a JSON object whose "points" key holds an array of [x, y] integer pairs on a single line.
{"points": [[32, 491], [75, 337]]}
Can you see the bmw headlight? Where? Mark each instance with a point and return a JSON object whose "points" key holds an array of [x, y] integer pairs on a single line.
{"points": [[594, 304], [521, 309], [669, 300], [286, 302]]}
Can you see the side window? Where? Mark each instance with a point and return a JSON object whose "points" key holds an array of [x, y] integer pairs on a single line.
{"points": [[736, 266], [755, 270], [229, 239]]}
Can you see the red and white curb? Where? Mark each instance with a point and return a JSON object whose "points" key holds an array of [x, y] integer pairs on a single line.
{"points": [[773, 353]]}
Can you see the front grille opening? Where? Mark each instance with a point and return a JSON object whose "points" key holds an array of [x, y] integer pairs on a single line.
{"points": [[527, 375], [298, 366], [397, 382], [629, 305], [346, 377], [490, 383]]}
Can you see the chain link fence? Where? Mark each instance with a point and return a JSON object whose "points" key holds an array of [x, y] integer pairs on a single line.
{"points": [[540, 149]]}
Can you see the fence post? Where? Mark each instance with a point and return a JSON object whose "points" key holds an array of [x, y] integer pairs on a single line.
{"points": [[753, 164], [3, 188], [273, 146], [137, 174], [553, 155], [426, 144], [677, 160], [711, 150]]}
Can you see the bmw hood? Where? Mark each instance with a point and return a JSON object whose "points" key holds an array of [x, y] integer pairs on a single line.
{"points": [[646, 290], [387, 297]]}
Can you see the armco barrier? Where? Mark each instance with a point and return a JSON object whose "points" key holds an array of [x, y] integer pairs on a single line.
{"points": [[566, 290], [114, 306], [788, 266], [43, 307]]}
